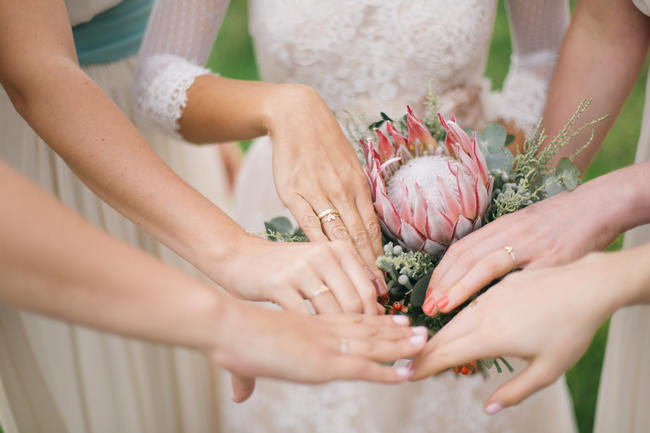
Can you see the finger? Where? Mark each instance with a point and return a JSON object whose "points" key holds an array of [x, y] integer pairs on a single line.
{"points": [[381, 350], [359, 368], [319, 294], [290, 300], [535, 377], [350, 321], [337, 280], [242, 387], [367, 212], [358, 234], [306, 218], [444, 356], [486, 270], [356, 272]]}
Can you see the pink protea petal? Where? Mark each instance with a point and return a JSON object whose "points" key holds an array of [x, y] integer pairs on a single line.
{"points": [[388, 213], [389, 163], [477, 224], [433, 248], [439, 227], [466, 191], [419, 137], [404, 207], [471, 165], [448, 139], [482, 197], [404, 154], [455, 134], [386, 150], [420, 210], [410, 237], [462, 228], [452, 207], [480, 159], [398, 138]]}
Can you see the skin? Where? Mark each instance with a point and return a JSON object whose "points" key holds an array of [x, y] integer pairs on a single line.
{"points": [[601, 56], [106, 151], [47, 267], [564, 305]]}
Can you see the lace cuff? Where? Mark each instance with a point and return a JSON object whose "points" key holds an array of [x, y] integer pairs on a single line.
{"points": [[164, 98], [524, 92]]}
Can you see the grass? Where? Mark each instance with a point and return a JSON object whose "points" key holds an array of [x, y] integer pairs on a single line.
{"points": [[233, 56]]}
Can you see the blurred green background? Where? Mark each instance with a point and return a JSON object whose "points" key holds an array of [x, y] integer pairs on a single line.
{"points": [[233, 56]]}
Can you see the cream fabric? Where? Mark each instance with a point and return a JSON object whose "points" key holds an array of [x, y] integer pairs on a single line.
{"points": [[624, 394], [57, 378]]}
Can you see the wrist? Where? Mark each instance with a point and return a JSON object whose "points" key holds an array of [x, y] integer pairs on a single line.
{"points": [[283, 102]]}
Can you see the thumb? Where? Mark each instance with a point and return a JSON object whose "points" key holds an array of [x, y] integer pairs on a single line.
{"points": [[535, 377], [242, 387]]}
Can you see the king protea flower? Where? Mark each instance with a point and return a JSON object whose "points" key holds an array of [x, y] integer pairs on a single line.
{"points": [[427, 196]]}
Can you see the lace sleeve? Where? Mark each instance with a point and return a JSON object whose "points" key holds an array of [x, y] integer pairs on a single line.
{"points": [[537, 30], [179, 37]]}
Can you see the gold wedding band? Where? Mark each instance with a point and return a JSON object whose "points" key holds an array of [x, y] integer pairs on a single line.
{"points": [[328, 215], [344, 345], [323, 289], [508, 249]]}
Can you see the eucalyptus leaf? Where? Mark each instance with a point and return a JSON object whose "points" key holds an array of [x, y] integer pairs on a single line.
{"points": [[494, 135], [420, 289], [568, 173], [279, 225], [509, 139], [492, 142], [553, 186]]}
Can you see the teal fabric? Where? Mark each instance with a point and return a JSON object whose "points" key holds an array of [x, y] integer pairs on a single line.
{"points": [[113, 34]]}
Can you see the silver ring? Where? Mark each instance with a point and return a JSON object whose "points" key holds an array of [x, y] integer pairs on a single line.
{"points": [[344, 345], [508, 249], [328, 215], [323, 289]]}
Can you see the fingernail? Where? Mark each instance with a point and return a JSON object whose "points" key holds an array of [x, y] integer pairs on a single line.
{"points": [[429, 305], [404, 372], [443, 302], [420, 330], [402, 320], [380, 285], [418, 340], [493, 408]]}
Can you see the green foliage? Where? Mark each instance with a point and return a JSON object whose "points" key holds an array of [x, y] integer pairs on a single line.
{"points": [[280, 229]]}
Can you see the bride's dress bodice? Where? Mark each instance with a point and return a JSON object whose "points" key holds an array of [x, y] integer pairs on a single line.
{"points": [[373, 52]]}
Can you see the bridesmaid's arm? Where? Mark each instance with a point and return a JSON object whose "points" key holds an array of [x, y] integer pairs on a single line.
{"points": [[71, 113], [601, 57], [61, 266]]}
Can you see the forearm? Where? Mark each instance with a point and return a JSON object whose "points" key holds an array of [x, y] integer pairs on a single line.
{"points": [[601, 57], [61, 266], [106, 151], [220, 109]]}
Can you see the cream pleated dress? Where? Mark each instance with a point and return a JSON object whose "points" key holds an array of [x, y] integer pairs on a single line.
{"points": [[624, 394], [59, 378]]}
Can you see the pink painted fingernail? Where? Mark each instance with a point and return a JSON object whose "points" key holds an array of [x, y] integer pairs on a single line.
{"points": [[443, 302], [418, 340], [493, 408], [402, 320], [429, 306], [404, 372]]}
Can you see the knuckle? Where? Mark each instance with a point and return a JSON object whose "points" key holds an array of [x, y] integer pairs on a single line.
{"points": [[310, 221], [339, 233], [374, 230], [360, 237]]}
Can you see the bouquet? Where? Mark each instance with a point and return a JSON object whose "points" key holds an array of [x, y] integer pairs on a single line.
{"points": [[434, 182]]}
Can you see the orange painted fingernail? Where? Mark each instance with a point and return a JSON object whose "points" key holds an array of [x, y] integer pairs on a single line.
{"points": [[429, 305], [443, 302]]}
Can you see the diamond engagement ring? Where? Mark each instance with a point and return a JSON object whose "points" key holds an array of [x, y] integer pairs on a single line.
{"points": [[328, 215], [323, 289], [344, 345]]}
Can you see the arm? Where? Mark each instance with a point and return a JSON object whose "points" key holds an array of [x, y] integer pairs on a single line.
{"points": [[63, 267], [105, 150], [547, 317], [601, 57], [315, 168]]}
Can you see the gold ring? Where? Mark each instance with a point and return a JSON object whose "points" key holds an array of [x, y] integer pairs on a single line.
{"points": [[508, 249], [328, 215], [323, 289], [344, 345]]}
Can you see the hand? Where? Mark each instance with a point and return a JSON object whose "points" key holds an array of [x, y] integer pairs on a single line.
{"points": [[328, 274], [551, 232], [315, 169], [329, 347], [546, 317]]}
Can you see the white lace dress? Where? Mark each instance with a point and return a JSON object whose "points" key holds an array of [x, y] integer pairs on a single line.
{"points": [[370, 55]]}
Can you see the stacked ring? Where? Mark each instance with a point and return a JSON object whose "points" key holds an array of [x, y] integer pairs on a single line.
{"points": [[328, 215]]}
